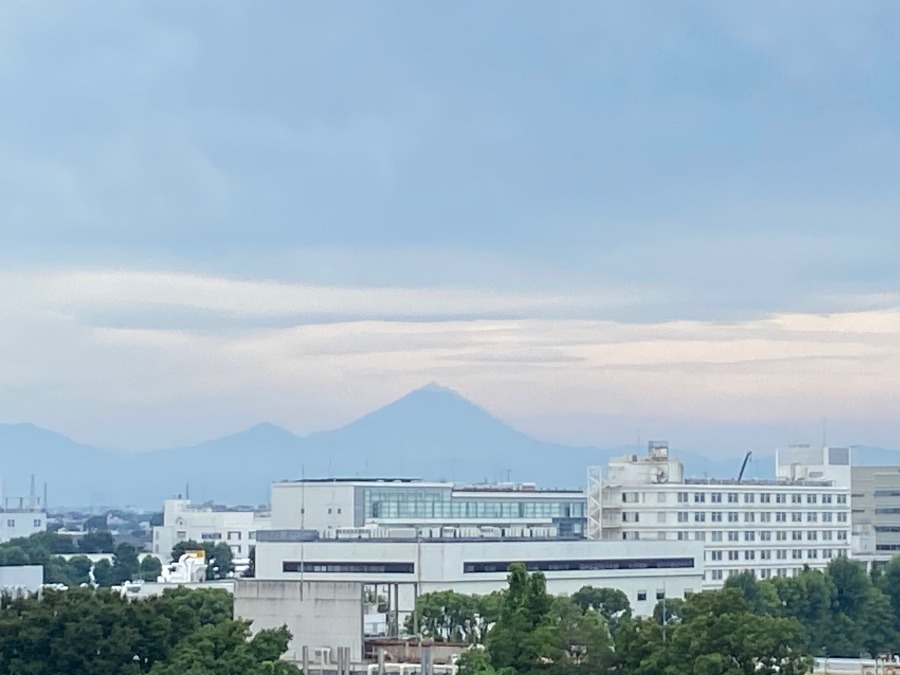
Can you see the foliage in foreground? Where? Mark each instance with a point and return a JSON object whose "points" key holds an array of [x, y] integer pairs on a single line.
{"points": [[86, 632]]}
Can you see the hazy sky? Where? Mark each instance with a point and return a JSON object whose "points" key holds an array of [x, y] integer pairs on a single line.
{"points": [[597, 220]]}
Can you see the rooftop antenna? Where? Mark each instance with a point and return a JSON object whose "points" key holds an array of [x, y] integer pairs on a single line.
{"points": [[187, 491], [744, 465], [31, 494], [45, 495]]}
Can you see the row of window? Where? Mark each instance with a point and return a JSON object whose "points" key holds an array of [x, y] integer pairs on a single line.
{"points": [[719, 575], [748, 516], [764, 498], [11, 522], [766, 554], [426, 504], [747, 535], [359, 567]]}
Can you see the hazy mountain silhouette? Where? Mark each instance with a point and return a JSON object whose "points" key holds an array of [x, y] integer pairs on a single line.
{"points": [[431, 433]]}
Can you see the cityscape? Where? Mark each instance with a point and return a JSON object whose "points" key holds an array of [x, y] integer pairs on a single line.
{"points": [[509, 338]]}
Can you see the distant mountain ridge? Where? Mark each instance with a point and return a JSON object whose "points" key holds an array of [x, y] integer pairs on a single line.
{"points": [[430, 433]]}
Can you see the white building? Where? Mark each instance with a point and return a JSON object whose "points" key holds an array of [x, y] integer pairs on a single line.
{"points": [[334, 503], [183, 521], [645, 571], [771, 528], [21, 517]]}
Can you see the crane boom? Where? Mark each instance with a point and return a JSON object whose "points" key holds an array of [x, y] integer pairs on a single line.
{"points": [[744, 465]]}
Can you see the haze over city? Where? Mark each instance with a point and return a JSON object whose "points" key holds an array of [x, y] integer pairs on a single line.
{"points": [[628, 221]]}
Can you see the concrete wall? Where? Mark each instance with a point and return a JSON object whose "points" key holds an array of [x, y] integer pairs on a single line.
{"points": [[317, 614], [312, 505], [16, 523]]}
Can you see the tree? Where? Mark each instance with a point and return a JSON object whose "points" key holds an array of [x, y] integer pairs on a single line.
{"points": [[719, 633], [227, 648], [447, 616], [611, 603], [889, 583], [100, 541], [103, 573], [762, 597], [585, 634], [125, 565], [150, 568]]}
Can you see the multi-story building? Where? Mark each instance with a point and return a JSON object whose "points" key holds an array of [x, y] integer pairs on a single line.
{"points": [[769, 527], [336, 503], [183, 521], [876, 513]]}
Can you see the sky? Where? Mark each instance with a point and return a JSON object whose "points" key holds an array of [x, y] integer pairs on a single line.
{"points": [[600, 221]]}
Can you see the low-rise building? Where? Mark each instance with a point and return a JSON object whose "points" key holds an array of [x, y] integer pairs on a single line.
{"points": [[768, 527], [325, 504], [420, 562], [184, 521]]}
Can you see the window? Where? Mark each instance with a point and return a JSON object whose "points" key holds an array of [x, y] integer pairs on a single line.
{"points": [[765, 517], [211, 536], [716, 516], [826, 535], [715, 536], [765, 555], [810, 499], [780, 516], [765, 536], [796, 535], [749, 555], [11, 522], [631, 517], [234, 536], [732, 535], [842, 499], [716, 497], [765, 573], [811, 553], [748, 498], [780, 498], [842, 517], [796, 517], [749, 536], [826, 517], [699, 516], [826, 499], [749, 517], [579, 565], [660, 594], [781, 554], [812, 517], [732, 516], [811, 535], [641, 596], [699, 497], [732, 497], [797, 554], [682, 516], [826, 553], [699, 536], [716, 575], [682, 536], [715, 555], [354, 567], [733, 555], [781, 535], [682, 497], [37, 522], [329, 510], [765, 498], [796, 499], [842, 534]]}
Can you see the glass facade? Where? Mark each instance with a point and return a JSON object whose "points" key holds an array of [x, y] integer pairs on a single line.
{"points": [[422, 504]]}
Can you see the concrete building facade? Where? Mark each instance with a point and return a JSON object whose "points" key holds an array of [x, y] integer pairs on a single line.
{"points": [[335, 503], [21, 521], [876, 512], [646, 571], [184, 521], [771, 528]]}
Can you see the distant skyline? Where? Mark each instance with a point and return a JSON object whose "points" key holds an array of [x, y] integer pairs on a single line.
{"points": [[603, 223]]}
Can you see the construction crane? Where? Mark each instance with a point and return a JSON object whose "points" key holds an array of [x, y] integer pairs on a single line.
{"points": [[744, 465]]}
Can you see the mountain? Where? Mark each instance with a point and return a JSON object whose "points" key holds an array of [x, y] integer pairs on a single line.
{"points": [[431, 433]]}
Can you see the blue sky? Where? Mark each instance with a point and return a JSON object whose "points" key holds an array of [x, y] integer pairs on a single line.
{"points": [[595, 219]]}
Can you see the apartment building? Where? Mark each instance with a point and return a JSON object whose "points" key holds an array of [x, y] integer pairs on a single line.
{"points": [[768, 527], [875, 515]]}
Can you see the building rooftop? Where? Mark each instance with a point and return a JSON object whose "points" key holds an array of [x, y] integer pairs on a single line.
{"points": [[751, 482], [456, 487]]}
